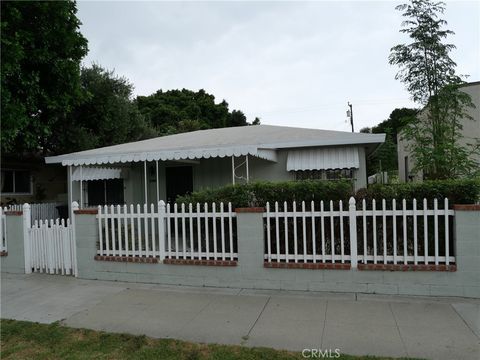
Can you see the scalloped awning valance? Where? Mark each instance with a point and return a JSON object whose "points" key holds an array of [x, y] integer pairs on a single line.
{"points": [[190, 154], [96, 173]]}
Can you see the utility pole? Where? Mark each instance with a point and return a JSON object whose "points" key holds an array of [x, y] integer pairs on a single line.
{"points": [[350, 114]]}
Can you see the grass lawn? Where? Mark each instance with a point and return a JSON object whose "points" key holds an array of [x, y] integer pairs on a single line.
{"points": [[27, 340]]}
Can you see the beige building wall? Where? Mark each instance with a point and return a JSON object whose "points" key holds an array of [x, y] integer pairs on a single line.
{"points": [[470, 133]]}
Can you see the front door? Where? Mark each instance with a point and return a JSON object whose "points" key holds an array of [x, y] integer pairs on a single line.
{"points": [[179, 181]]}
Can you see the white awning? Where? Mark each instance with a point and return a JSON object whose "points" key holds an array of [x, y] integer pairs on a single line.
{"points": [[192, 154], [323, 158], [96, 173]]}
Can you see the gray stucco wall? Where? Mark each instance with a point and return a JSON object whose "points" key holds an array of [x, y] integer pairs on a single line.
{"points": [[14, 262], [250, 272]]}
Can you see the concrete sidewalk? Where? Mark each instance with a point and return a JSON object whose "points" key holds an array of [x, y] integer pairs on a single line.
{"points": [[357, 324]]}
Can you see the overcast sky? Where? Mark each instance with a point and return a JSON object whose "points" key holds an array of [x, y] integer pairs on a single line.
{"points": [[289, 63]]}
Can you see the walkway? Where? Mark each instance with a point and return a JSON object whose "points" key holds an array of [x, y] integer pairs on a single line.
{"points": [[357, 324]]}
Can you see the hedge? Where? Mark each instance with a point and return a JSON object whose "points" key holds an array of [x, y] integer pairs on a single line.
{"points": [[259, 193], [466, 191]]}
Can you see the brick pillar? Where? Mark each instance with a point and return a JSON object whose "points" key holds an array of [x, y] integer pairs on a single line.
{"points": [[14, 261], [250, 241], [467, 247]]}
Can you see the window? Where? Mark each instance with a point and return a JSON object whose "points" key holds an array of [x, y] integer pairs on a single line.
{"points": [[331, 174], [105, 192], [337, 174], [16, 182], [309, 175]]}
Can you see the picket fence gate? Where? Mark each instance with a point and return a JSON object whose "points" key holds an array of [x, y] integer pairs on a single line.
{"points": [[49, 245]]}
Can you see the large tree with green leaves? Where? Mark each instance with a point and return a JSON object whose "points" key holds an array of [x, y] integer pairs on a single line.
{"points": [[429, 74], [174, 111], [107, 115], [40, 71]]}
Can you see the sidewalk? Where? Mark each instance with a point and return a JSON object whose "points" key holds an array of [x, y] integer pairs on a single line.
{"points": [[357, 324]]}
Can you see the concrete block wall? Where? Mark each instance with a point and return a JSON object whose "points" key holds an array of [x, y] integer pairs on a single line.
{"points": [[250, 271], [14, 260]]}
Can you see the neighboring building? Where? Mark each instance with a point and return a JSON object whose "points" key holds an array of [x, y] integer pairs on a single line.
{"points": [[165, 167], [470, 134], [29, 180]]}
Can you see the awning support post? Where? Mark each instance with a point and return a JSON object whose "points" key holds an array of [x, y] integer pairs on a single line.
{"points": [[81, 187], [70, 191], [145, 178], [233, 169], [248, 175], [158, 191]]}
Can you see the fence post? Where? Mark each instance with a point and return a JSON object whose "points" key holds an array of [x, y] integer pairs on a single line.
{"points": [[75, 206], [161, 229], [352, 214], [27, 222]]}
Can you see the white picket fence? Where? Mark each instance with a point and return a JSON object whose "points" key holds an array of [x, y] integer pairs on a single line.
{"points": [[52, 247], [3, 231], [39, 211], [193, 232], [329, 233]]}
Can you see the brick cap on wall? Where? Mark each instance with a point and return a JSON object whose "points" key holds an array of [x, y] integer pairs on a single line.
{"points": [[250, 210], [408, 267], [144, 260], [466, 207], [86, 211], [312, 266], [14, 212], [200, 262]]}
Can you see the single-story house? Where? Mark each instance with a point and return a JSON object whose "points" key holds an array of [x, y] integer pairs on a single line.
{"points": [[165, 167], [470, 135]]}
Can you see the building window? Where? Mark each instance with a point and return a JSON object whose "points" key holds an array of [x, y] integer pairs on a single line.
{"points": [[331, 174], [16, 182], [309, 175], [337, 174]]}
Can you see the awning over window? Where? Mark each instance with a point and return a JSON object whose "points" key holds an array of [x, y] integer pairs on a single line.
{"points": [[96, 173], [323, 158]]}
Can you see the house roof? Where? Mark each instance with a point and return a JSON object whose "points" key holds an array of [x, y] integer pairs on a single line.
{"points": [[258, 140]]}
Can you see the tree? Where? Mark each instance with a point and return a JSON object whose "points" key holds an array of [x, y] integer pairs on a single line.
{"points": [[107, 115], [174, 111], [385, 158], [429, 73], [40, 71]]}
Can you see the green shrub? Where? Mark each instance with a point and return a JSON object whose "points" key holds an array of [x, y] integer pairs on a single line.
{"points": [[465, 191], [259, 193]]}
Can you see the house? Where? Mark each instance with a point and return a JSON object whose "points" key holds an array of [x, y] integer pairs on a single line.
{"points": [[470, 134], [28, 179], [163, 168]]}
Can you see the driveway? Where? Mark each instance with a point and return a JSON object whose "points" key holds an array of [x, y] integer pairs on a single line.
{"points": [[357, 324]]}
